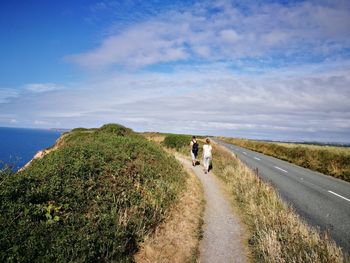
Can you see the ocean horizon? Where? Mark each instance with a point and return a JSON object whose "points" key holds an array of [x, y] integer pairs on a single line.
{"points": [[19, 145]]}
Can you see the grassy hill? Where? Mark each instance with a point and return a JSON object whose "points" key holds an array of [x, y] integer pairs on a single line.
{"points": [[93, 199]]}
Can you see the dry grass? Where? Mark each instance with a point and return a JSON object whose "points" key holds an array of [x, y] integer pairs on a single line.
{"points": [[154, 136], [335, 149], [278, 234], [333, 161], [177, 238]]}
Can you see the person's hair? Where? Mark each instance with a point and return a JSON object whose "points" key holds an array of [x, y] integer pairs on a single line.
{"points": [[193, 137], [207, 140]]}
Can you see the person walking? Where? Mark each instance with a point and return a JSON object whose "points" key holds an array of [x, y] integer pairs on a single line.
{"points": [[194, 150], [207, 155]]}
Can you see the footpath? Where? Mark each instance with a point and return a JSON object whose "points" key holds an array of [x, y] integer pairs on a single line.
{"points": [[222, 234]]}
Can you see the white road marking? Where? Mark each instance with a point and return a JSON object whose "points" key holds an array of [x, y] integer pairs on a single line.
{"points": [[280, 169], [340, 196], [256, 158], [245, 153]]}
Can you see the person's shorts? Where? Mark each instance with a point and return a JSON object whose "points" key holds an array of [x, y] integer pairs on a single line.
{"points": [[193, 156]]}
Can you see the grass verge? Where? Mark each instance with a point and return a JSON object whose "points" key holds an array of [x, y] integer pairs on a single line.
{"points": [[182, 242], [278, 234], [176, 240], [334, 161]]}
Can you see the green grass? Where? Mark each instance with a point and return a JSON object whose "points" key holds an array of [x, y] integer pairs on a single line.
{"points": [[91, 200], [334, 161], [181, 143], [177, 141]]}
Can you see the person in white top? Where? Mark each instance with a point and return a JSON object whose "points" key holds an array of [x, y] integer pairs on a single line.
{"points": [[207, 155]]}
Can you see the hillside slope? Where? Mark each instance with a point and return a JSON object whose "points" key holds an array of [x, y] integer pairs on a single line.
{"points": [[94, 198]]}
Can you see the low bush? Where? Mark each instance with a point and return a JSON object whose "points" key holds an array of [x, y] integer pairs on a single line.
{"points": [[116, 129], [322, 159], [79, 129], [91, 200], [177, 141]]}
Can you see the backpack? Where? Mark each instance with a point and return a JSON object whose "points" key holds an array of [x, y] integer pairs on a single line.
{"points": [[195, 147]]}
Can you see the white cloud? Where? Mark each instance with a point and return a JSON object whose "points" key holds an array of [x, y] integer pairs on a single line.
{"points": [[229, 35], [275, 38], [261, 30], [145, 44], [7, 94], [205, 99], [39, 122], [248, 93], [42, 87], [202, 51]]}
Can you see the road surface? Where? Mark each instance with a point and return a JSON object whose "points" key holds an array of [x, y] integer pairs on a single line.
{"points": [[323, 201]]}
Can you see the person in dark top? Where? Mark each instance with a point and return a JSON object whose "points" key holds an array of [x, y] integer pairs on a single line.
{"points": [[194, 150]]}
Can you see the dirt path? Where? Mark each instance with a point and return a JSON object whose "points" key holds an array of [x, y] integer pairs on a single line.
{"points": [[222, 234]]}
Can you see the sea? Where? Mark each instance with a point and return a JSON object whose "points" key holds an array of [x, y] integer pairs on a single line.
{"points": [[19, 145]]}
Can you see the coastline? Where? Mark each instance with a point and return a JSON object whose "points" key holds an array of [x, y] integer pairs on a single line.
{"points": [[41, 153]]}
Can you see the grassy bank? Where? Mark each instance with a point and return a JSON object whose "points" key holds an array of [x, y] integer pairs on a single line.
{"points": [[182, 232], [334, 161], [93, 199], [277, 234], [176, 240]]}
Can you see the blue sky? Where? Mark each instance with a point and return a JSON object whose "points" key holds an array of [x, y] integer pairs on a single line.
{"points": [[259, 69]]}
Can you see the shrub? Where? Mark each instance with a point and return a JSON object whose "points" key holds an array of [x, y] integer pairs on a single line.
{"points": [[176, 141], [79, 129], [116, 129], [91, 200]]}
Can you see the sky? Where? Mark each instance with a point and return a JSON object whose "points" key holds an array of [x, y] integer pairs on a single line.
{"points": [[276, 70]]}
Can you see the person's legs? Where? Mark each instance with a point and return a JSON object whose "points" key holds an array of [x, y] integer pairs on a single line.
{"points": [[206, 164], [193, 158]]}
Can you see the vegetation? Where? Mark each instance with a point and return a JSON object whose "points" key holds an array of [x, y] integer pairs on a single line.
{"points": [[181, 143], [93, 199], [334, 161], [277, 233], [177, 141], [79, 129], [171, 243]]}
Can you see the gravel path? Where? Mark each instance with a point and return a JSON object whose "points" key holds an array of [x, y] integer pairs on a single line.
{"points": [[222, 233]]}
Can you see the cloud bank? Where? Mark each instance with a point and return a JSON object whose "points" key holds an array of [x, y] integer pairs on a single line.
{"points": [[241, 68], [277, 105], [222, 30]]}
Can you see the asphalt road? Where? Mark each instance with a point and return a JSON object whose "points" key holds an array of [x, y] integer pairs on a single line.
{"points": [[323, 201]]}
